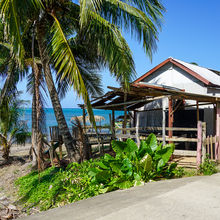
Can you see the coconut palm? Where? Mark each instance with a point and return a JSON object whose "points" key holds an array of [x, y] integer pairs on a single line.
{"points": [[98, 23], [12, 128]]}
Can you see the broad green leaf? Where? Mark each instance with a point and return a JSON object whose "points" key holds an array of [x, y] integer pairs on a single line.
{"points": [[102, 165], [137, 177], [151, 141], [172, 166], [119, 146], [116, 167], [131, 148], [164, 156], [160, 164], [123, 184], [102, 176], [93, 171], [108, 157], [103, 190], [144, 149], [146, 163], [127, 167]]}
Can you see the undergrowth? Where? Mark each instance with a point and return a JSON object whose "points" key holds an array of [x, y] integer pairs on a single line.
{"points": [[40, 190], [131, 166]]}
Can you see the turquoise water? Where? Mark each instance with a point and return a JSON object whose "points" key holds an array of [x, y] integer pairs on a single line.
{"points": [[68, 113]]}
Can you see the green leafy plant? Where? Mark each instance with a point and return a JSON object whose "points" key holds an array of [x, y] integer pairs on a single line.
{"points": [[132, 165], [208, 167], [42, 189], [179, 172]]}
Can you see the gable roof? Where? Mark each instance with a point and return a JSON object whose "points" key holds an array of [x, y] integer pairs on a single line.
{"points": [[207, 76]]}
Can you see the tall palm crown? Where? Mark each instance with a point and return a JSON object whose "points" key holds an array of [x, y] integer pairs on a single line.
{"points": [[99, 21], [96, 24]]}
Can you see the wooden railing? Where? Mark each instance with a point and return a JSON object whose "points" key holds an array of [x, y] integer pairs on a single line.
{"points": [[138, 133], [210, 145]]}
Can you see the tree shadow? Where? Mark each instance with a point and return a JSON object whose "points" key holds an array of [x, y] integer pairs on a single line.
{"points": [[43, 183]]}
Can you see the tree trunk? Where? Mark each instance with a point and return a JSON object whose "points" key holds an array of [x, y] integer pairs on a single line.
{"points": [[34, 129], [6, 150], [38, 137], [72, 151]]}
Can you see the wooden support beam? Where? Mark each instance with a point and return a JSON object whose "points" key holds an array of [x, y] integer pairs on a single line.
{"points": [[203, 141], [137, 129], [135, 118], [197, 110], [125, 113], [84, 116], [164, 120], [113, 123], [143, 100], [199, 144], [170, 117], [217, 145]]}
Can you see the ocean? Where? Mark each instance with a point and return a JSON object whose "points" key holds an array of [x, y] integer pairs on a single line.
{"points": [[68, 113]]}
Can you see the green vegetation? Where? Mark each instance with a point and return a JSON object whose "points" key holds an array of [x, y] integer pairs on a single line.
{"points": [[12, 128], [208, 167], [131, 166], [89, 35]]}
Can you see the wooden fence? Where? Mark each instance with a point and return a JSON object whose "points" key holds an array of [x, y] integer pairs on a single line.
{"points": [[210, 146], [139, 133], [205, 145]]}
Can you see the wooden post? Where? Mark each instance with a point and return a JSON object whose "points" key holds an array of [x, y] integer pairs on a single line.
{"points": [[197, 110], [84, 118], [164, 120], [199, 144], [203, 141], [217, 151], [113, 123], [137, 130], [170, 122], [135, 118], [125, 114]]}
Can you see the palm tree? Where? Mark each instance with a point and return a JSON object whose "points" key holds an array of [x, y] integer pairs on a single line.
{"points": [[12, 129], [96, 22]]}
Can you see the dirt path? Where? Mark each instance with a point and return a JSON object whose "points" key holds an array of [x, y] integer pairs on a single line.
{"points": [[19, 166]]}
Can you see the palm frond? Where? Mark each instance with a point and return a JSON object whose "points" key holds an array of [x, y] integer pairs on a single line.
{"points": [[63, 57], [142, 24], [111, 47], [85, 7], [9, 15]]}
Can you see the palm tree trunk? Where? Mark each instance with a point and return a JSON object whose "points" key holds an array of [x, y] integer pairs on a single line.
{"points": [[6, 150], [64, 130], [38, 133], [34, 129]]}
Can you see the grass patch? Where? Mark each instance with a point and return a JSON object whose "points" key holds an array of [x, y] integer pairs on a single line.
{"points": [[40, 190]]}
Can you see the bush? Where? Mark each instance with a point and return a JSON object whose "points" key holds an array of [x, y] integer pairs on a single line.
{"points": [[179, 172], [208, 167], [130, 167], [40, 190]]}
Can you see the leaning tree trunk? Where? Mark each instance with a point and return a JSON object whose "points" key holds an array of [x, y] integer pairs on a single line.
{"points": [[61, 121], [34, 129], [36, 117]]}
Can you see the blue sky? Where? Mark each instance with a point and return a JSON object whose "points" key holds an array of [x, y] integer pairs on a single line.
{"points": [[190, 32]]}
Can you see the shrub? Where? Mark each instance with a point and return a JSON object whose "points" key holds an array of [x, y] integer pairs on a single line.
{"points": [[208, 167], [131, 166]]}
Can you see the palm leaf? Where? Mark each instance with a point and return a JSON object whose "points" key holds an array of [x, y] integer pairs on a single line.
{"points": [[140, 24], [63, 57], [10, 17]]}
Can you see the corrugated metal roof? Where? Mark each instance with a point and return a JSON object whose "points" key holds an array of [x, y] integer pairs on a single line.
{"points": [[211, 76]]}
